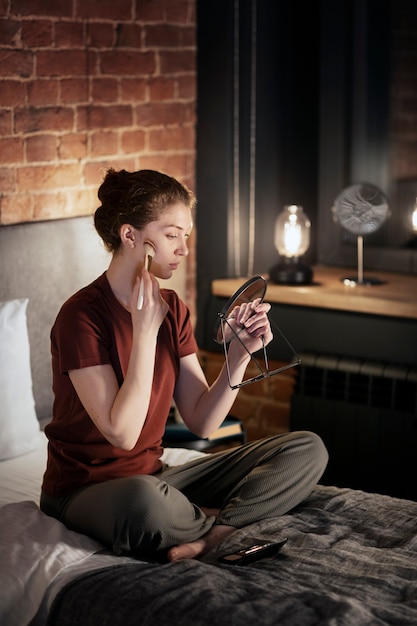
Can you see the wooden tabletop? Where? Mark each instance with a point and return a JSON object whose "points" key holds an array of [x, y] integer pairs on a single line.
{"points": [[395, 297]]}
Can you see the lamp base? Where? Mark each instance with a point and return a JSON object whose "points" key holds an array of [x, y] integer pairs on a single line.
{"points": [[367, 281], [291, 272]]}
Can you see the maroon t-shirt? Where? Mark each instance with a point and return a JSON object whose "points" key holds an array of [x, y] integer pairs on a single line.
{"points": [[92, 328]]}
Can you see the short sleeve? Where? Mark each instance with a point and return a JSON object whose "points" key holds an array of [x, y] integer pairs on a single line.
{"points": [[187, 343], [79, 337]]}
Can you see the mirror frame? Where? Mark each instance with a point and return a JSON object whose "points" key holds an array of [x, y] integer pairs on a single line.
{"points": [[220, 335]]}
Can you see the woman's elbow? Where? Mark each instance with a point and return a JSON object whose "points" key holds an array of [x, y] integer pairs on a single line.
{"points": [[122, 440], [126, 445]]}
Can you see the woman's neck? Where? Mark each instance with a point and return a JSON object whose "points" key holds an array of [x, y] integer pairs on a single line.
{"points": [[121, 280]]}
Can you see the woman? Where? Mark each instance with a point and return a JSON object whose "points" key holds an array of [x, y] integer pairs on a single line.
{"points": [[116, 369]]}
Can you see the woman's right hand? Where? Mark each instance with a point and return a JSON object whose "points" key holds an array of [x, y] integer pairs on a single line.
{"points": [[154, 309]]}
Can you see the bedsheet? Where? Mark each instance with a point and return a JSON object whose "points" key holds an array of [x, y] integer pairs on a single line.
{"points": [[38, 554], [34, 549], [350, 560], [21, 477]]}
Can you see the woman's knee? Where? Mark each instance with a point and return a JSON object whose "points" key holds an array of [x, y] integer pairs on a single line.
{"points": [[318, 455], [154, 516], [141, 496], [142, 514]]}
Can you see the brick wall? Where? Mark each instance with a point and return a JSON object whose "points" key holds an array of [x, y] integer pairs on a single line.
{"points": [[88, 84], [403, 139], [263, 407]]}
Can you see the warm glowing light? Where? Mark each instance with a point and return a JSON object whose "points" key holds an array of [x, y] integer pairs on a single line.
{"points": [[292, 231], [292, 237], [414, 218]]}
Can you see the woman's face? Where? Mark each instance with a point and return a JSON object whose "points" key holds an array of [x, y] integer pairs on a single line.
{"points": [[169, 236]]}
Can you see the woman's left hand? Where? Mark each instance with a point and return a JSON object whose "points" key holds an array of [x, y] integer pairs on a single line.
{"points": [[251, 323]]}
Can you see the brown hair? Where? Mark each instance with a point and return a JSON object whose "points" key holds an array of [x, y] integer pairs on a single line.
{"points": [[135, 198]]}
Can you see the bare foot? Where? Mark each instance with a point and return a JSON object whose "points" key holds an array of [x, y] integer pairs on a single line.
{"points": [[210, 512], [193, 549]]}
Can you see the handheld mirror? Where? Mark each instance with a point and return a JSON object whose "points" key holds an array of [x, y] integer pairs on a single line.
{"points": [[224, 332]]}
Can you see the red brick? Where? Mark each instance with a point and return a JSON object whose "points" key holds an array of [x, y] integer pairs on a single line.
{"points": [[43, 92], [178, 165], [133, 89], [74, 90], [127, 62], [16, 63], [101, 35], [104, 90], [129, 36], [4, 7], [75, 210], [69, 34], [104, 116], [7, 179], [189, 37], [177, 61], [155, 114], [161, 88], [41, 148], [43, 177], [284, 384], [83, 200], [32, 119], [149, 11], [11, 150], [105, 9], [94, 172], [6, 122], [37, 33], [133, 141], [187, 87], [180, 11], [103, 143], [176, 138], [93, 62], [56, 204], [404, 159], [16, 208], [10, 33], [192, 13], [42, 7], [61, 63], [12, 93], [72, 146], [274, 417], [49, 206], [163, 36]]}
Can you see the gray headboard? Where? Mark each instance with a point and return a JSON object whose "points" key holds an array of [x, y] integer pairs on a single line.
{"points": [[46, 262]]}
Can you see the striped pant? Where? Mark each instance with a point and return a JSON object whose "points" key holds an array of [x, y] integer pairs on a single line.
{"points": [[143, 514]]}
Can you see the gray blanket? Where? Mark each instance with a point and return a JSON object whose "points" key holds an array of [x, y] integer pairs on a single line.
{"points": [[351, 559]]}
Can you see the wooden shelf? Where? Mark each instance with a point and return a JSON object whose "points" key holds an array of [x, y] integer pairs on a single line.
{"points": [[396, 297]]}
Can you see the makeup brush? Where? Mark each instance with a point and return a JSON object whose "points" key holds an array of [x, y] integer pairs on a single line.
{"points": [[149, 254]]}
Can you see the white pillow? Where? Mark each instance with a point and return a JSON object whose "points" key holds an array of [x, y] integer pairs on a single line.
{"points": [[19, 426]]}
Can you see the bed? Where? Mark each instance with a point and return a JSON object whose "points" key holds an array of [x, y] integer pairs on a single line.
{"points": [[350, 558]]}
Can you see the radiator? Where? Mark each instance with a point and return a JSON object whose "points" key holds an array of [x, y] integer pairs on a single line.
{"points": [[366, 413]]}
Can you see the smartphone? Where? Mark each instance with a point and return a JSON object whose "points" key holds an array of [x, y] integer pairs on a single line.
{"points": [[255, 552]]}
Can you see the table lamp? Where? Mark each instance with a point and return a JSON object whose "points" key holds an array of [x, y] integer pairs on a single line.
{"points": [[292, 239]]}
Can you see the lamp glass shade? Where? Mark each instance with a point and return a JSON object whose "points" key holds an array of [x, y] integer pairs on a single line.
{"points": [[414, 218], [292, 231]]}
